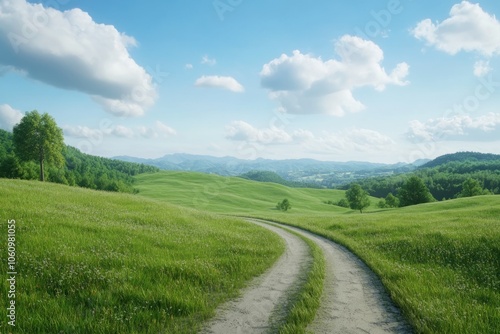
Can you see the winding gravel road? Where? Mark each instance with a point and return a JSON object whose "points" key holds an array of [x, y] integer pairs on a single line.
{"points": [[354, 300]]}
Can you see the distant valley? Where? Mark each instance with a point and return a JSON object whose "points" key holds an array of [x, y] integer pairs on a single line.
{"points": [[306, 171]]}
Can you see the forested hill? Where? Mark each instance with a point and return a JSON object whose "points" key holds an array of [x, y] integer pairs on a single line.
{"points": [[444, 176], [461, 157], [80, 169]]}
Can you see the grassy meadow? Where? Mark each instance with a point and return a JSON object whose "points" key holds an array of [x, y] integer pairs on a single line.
{"points": [[97, 262], [440, 262], [233, 195]]}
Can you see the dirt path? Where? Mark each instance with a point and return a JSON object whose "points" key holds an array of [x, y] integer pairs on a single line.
{"points": [[266, 294], [354, 300]]}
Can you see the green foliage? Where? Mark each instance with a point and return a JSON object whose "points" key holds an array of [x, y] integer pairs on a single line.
{"points": [[343, 203], [97, 262], [79, 169], [10, 166], [471, 188], [391, 201], [461, 157], [382, 204], [284, 205], [357, 198], [444, 176], [413, 192], [37, 138], [101, 173]]}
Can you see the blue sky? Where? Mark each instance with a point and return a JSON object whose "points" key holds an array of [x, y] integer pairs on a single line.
{"points": [[381, 81]]}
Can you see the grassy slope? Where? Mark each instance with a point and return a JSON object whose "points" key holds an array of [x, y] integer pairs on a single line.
{"points": [[99, 262], [439, 261], [234, 195]]}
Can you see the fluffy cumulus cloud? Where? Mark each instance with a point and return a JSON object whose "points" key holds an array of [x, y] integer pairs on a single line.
{"points": [[355, 139], [304, 84], [9, 117], [455, 128], [71, 51], [158, 130], [216, 81], [469, 28]]}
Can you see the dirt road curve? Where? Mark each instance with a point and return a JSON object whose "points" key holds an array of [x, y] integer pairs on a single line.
{"points": [[353, 301], [250, 313]]}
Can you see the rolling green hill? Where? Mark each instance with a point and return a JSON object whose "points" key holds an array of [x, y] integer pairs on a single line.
{"points": [[267, 176], [461, 157], [440, 261], [233, 195], [101, 262]]}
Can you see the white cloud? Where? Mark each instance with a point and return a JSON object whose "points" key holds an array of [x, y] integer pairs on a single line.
{"points": [[9, 117], [164, 129], [304, 84], [355, 139], [242, 131], [123, 131], [451, 128], [482, 68], [159, 130], [82, 132], [205, 60], [215, 81], [469, 28], [71, 51], [188, 66]]}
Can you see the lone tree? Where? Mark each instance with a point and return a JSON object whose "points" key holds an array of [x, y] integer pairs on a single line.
{"points": [[38, 138], [470, 188], [414, 191], [284, 205], [357, 197]]}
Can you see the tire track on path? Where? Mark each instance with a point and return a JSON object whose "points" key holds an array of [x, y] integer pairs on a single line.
{"points": [[251, 312], [354, 300]]}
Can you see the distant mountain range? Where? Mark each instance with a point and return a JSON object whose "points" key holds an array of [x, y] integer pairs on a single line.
{"points": [[321, 173]]}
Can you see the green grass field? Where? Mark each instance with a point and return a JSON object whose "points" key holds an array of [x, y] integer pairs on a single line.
{"points": [[96, 262], [440, 262], [233, 195]]}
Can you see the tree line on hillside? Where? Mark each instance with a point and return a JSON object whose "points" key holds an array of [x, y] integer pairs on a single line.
{"points": [[35, 150], [444, 181], [413, 191]]}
